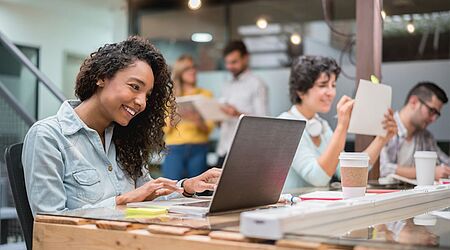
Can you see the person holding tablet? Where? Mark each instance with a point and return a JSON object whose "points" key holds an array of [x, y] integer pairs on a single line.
{"points": [[187, 142]]}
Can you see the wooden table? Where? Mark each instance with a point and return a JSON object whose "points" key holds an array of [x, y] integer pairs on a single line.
{"points": [[75, 233], [56, 232], [106, 228]]}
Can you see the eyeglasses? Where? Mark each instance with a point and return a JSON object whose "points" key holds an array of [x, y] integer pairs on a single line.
{"points": [[431, 110]]}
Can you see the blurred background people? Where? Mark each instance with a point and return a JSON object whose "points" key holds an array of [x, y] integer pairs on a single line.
{"points": [[244, 94], [187, 142]]}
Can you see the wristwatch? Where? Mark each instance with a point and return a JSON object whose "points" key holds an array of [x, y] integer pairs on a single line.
{"points": [[185, 194]]}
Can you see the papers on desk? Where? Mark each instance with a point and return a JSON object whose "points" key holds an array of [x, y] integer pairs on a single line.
{"points": [[190, 206], [322, 195], [209, 109], [442, 214], [371, 103], [336, 195], [403, 179], [410, 181]]}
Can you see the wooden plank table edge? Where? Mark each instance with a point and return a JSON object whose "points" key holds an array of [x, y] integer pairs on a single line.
{"points": [[63, 236]]}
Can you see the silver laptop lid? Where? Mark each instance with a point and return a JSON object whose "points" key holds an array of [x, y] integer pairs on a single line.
{"points": [[257, 164]]}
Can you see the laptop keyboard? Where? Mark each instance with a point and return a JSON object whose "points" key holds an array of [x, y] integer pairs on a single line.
{"points": [[197, 204]]}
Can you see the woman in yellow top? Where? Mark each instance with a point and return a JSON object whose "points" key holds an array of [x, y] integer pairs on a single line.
{"points": [[187, 142]]}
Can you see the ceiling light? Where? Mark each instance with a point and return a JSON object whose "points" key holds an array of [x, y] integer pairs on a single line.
{"points": [[194, 4], [201, 37], [383, 14], [410, 27], [261, 23], [296, 39]]}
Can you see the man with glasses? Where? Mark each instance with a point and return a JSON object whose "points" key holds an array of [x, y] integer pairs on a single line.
{"points": [[422, 107]]}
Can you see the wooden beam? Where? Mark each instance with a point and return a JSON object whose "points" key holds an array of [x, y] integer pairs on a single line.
{"points": [[369, 36]]}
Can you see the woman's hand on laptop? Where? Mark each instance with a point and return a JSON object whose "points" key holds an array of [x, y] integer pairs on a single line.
{"points": [[149, 191], [206, 181]]}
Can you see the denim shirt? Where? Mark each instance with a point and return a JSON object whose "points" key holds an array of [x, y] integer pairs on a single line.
{"points": [[67, 167]]}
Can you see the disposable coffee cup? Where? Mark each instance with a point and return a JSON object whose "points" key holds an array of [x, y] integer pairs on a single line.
{"points": [[425, 166], [354, 174]]}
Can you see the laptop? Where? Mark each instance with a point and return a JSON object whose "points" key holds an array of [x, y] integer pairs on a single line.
{"points": [[255, 168]]}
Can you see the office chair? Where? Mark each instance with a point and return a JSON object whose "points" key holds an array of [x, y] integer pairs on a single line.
{"points": [[13, 157]]}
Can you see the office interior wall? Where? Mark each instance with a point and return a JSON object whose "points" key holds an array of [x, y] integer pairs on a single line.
{"points": [[59, 27], [71, 68]]}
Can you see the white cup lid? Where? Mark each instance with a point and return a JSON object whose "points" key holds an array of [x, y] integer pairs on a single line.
{"points": [[353, 156], [425, 154]]}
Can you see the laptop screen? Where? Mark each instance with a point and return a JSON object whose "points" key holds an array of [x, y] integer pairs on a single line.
{"points": [[258, 162]]}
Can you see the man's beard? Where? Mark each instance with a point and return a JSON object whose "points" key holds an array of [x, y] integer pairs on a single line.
{"points": [[418, 123], [236, 75]]}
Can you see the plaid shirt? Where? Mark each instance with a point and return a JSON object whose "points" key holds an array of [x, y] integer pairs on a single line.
{"points": [[423, 141]]}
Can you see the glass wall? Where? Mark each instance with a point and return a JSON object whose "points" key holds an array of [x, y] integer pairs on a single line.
{"points": [[18, 88]]}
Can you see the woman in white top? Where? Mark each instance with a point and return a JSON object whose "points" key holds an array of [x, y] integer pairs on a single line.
{"points": [[312, 87]]}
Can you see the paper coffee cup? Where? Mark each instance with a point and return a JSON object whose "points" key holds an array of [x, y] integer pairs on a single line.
{"points": [[425, 166], [354, 174]]}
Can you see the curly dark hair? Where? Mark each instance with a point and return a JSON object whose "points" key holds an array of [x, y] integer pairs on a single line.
{"points": [[143, 136], [306, 70]]}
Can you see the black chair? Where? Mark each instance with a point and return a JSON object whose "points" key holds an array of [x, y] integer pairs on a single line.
{"points": [[13, 157]]}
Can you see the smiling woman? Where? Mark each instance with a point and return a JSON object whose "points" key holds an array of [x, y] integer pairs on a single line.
{"points": [[94, 151], [312, 88]]}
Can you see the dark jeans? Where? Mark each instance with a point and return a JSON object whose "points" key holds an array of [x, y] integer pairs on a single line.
{"points": [[185, 161]]}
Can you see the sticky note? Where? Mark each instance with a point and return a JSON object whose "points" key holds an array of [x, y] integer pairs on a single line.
{"points": [[145, 212], [374, 79]]}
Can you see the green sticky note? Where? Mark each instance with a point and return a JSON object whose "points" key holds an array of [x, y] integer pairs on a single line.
{"points": [[145, 212], [374, 79]]}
